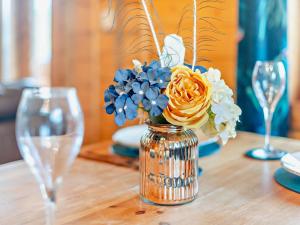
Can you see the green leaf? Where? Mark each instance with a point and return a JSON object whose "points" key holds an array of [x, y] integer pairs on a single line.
{"points": [[158, 119]]}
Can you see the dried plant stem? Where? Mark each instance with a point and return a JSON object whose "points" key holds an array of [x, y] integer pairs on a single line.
{"points": [[152, 31], [195, 35]]}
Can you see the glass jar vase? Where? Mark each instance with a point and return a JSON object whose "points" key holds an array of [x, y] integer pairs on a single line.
{"points": [[168, 165]]}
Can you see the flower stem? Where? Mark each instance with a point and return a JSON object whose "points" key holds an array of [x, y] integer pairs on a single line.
{"points": [[158, 119]]}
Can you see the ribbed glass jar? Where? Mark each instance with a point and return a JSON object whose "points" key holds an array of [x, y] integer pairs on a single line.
{"points": [[168, 165]]}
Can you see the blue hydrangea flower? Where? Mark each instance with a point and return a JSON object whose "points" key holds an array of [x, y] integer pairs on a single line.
{"points": [[163, 77], [155, 102], [124, 88], [122, 76], [124, 109], [133, 88], [110, 96], [139, 90], [155, 65], [156, 75], [149, 76]]}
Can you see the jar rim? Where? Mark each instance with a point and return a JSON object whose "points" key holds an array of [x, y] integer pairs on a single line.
{"points": [[164, 127]]}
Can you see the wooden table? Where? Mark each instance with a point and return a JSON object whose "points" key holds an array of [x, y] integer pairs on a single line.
{"points": [[233, 190]]}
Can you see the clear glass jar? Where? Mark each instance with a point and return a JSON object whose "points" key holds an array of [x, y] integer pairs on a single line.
{"points": [[168, 165]]}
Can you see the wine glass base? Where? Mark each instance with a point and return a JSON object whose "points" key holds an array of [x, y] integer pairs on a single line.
{"points": [[262, 154]]}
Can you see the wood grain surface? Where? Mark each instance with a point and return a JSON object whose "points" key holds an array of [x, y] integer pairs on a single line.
{"points": [[233, 190], [102, 152]]}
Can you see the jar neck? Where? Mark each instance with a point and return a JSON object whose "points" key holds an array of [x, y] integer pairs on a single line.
{"points": [[165, 128]]}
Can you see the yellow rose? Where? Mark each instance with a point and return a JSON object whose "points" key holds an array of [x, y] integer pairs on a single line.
{"points": [[189, 98]]}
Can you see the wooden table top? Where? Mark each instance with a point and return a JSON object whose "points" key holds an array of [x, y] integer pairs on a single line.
{"points": [[233, 190]]}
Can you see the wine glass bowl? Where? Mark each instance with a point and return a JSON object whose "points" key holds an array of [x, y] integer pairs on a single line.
{"points": [[49, 131], [268, 81]]}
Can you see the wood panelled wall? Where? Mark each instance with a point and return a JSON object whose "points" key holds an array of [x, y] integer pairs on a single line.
{"points": [[23, 30], [85, 52], [76, 59], [294, 66], [294, 49]]}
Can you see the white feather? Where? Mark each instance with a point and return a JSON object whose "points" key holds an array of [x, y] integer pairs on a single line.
{"points": [[152, 30], [195, 36]]}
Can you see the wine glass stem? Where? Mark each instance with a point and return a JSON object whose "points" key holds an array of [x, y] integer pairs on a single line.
{"points": [[268, 120], [50, 208]]}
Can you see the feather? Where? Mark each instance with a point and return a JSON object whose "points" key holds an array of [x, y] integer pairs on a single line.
{"points": [[195, 36], [139, 31], [152, 30], [207, 28]]}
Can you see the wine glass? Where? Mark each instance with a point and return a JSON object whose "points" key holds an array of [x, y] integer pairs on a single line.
{"points": [[49, 132], [268, 81]]}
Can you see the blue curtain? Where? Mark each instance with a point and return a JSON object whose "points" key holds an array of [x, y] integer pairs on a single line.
{"points": [[263, 24]]}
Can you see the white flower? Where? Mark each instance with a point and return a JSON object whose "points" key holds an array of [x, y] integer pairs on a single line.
{"points": [[213, 75], [220, 90], [224, 113], [226, 117], [173, 51], [137, 65], [227, 130]]}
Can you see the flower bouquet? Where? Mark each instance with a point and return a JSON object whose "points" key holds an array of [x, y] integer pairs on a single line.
{"points": [[176, 97], [176, 94]]}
